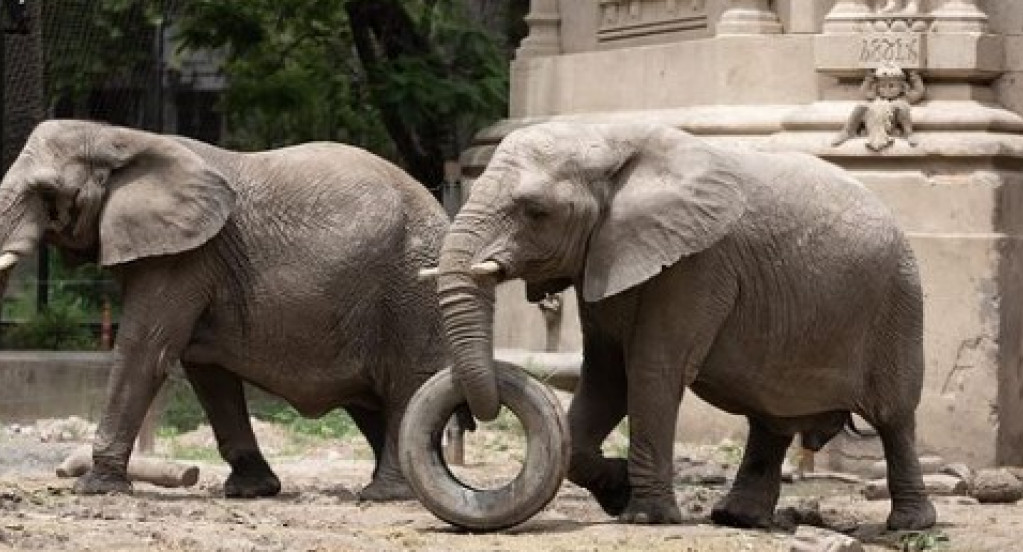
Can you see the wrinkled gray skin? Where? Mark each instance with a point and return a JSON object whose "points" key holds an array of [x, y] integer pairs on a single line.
{"points": [[774, 286], [293, 269]]}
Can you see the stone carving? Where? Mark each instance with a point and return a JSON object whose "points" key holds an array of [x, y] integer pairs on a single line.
{"points": [[630, 19], [902, 7], [886, 114]]}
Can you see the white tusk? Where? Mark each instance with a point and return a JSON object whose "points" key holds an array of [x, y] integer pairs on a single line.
{"points": [[428, 273], [7, 260], [486, 268]]}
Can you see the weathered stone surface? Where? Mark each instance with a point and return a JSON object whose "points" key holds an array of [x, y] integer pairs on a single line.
{"points": [[934, 483], [814, 539], [996, 486]]}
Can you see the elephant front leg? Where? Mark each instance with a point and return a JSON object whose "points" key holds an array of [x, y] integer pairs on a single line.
{"points": [[653, 409], [597, 407], [753, 496], [129, 395], [223, 399]]}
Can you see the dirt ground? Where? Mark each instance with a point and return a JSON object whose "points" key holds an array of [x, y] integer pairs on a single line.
{"points": [[317, 509]]}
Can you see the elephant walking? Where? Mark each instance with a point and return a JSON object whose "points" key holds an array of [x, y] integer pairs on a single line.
{"points": [[774, 286], [293, 269]]}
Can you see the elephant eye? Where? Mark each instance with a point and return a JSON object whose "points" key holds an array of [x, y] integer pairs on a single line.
{"points": [[535, 211]]}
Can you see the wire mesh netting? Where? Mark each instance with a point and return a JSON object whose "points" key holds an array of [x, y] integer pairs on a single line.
{"points": [[103, 60]]}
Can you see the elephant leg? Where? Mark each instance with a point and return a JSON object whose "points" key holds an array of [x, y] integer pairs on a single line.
{"points": [[753, 496], [160, 310], [129, 397], [381, 430], [653, 408], [223, 398], [598, 406], [910, 507], [678, 317]]}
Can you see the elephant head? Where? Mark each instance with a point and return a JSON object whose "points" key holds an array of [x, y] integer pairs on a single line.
{"points": [[111, 195], [603, 207]]}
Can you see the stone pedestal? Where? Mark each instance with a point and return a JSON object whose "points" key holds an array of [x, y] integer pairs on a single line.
{"points": [[748, 17], [544, 22]]}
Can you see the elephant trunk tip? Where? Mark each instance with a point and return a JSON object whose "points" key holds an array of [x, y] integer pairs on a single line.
{"points": [[486, 405]]}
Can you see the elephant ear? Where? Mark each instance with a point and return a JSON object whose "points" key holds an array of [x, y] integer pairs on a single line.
{"points": [[162, 198], [674, 196]]}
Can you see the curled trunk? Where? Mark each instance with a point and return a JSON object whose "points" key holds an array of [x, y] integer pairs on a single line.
{"points": [[468, 312]]}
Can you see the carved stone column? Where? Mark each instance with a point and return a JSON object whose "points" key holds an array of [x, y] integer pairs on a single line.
{"points": [[847, 16], [959, 16], [544, 38], [749, 17]]}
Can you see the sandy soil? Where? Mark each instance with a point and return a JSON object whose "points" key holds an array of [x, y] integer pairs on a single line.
{"points": [[317, 510]]}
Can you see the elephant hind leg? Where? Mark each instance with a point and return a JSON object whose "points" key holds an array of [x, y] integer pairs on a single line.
{"points": [[223, 399], [911, 509], [753, 496], [387, 483]]}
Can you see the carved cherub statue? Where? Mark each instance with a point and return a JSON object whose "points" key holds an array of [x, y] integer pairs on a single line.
{"points": [[886, 113]]}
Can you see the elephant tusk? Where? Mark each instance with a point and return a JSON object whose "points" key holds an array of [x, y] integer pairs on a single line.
{"points": [[7, 260], [486, 268], [428, 273]]}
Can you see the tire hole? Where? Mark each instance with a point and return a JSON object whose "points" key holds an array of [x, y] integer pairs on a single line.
{"points": [[492, 456]]}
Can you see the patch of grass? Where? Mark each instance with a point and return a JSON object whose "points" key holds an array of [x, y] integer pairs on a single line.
{"points": [[730, 452], [335, 424], [198, 454], [918, 541], [183, 413]]}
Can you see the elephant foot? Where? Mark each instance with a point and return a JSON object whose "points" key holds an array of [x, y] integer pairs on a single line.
{"points": [[911, 516], [743, 511], [94, 483], [610, 486], [651, 510], [380, 490], [251, 477]]}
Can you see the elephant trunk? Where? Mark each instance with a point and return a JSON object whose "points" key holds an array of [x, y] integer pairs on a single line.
{"points": [[467, 308], [23, 218]]}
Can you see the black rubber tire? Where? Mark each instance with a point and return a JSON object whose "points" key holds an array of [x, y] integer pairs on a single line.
{"points": [[544, 468]]}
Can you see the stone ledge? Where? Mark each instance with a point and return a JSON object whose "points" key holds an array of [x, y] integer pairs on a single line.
{"points": [[945, 129]]}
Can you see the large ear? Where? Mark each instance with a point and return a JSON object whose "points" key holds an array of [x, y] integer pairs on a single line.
{"points": [[674, 196], [162, 198]]}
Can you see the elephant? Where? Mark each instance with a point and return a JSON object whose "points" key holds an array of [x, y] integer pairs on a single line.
{"points": [[294, 269], [772, 285]]}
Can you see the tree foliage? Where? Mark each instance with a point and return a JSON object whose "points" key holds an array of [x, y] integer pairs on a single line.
{"points": [[95, 44], [408, 79]]}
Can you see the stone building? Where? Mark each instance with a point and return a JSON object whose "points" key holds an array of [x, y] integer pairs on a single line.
{"points": [[787, 75]]}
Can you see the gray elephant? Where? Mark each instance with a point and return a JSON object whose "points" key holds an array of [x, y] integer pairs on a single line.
{"points": [[774, 286], [293, 269]]}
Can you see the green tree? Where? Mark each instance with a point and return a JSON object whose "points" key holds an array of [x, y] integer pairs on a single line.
{"points": [[407, 79]]}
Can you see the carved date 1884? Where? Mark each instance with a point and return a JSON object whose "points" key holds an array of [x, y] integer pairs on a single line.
{"points": [[905, 49]]}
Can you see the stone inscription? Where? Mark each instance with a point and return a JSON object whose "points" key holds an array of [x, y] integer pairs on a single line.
{"points": [[904, 49]]}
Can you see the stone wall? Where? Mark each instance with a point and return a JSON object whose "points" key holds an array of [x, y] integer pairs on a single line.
{"points": [[785, 75], [47, 384]]}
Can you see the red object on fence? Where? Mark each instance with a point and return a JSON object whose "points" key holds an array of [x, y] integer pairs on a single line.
{"points": [[105, 326]]}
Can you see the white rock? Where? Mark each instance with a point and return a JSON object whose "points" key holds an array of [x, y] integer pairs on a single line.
{"points": [[815, 539]]}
